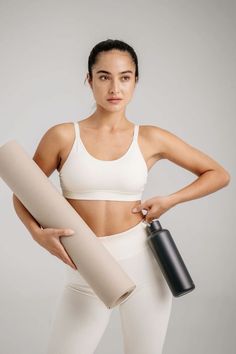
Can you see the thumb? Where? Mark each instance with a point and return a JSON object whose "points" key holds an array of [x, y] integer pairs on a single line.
{"points": [[66, 232]]}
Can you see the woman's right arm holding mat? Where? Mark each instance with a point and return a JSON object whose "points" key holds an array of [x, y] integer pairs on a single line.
{"points": [[46, 156]]}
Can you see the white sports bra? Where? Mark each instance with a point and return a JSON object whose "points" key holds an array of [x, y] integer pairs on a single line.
{"points": [[83, 176]]}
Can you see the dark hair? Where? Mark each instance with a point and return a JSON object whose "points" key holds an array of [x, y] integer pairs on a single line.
{"points": [[107, 45]]}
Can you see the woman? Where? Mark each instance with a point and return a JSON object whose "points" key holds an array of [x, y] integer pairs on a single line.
{"points": [[103, 163]]}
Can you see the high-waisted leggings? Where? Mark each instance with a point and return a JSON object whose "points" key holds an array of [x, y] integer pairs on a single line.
{"points": [[80, 318]]}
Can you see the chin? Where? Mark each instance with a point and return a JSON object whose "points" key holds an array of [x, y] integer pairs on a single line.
{"points": [[110, 107]]}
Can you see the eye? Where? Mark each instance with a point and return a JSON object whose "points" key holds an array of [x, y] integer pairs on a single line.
{"points": [[102, 76], [127, 77], [123, 77]]}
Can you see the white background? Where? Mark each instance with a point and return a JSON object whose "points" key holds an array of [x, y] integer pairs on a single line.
{"points": [[186, 52]]}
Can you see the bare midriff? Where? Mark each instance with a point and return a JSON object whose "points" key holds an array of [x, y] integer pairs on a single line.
{"points": [[107, 217]]}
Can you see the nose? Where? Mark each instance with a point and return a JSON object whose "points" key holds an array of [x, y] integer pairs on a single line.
{"points": [[114, 88]]}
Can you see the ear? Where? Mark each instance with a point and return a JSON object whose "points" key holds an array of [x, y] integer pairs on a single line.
{"points": [[90, 81]]}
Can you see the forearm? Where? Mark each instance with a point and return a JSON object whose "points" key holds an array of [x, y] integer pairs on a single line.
{"points": [[30, 223], [206, 183]]}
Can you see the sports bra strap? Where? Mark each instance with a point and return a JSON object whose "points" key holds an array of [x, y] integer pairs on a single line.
{"points": [[77, 134], [136, 129], [76, 126]]}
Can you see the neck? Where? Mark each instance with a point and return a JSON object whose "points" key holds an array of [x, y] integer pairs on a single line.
{"points": [[109, 120]]}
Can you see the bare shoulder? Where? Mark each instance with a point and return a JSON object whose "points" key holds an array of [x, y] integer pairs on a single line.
{"points": [[54, 140], [56, 137], [149, 130], [169, 146], [153, 130], [162, 140], [152, 138], [61, 130]]}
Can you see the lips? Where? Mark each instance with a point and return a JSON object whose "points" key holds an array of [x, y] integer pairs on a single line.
{"points": [[114, 99]]}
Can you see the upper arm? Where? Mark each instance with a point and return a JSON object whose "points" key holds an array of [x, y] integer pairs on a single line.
{"points": [[47, 154], [183, 154]]}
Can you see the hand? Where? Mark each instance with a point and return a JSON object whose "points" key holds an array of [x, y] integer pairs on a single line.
{"points": [[155, 207], [49, 239]]}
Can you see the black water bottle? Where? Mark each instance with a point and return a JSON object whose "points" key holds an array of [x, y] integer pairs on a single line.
{"points": [[169, 259]]}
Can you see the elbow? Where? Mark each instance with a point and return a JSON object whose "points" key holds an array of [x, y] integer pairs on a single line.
{"points": [[225, 178]]}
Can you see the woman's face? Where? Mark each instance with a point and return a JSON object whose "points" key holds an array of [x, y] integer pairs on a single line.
{"points": [[113, 76]]}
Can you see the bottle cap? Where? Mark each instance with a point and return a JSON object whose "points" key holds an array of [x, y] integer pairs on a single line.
{"points": [[153, 226]]}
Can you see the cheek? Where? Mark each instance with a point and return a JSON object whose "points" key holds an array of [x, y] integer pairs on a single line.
{"points": [[101, 90], [129, 88], [98, 91], [128, 93]]}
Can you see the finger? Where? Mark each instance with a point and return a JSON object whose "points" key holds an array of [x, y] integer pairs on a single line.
{"points": [[64, 232], [65, 257], [149, 217], [58, 251], [139, 208]]}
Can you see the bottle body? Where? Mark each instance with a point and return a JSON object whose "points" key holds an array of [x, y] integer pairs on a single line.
{"points": [[169, 260]]}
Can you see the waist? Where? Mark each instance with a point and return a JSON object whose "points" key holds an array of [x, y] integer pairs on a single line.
{"points": [[106, 218], [127, 243]]}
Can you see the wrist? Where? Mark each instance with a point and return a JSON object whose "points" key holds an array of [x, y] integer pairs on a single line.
{"points": [[173, 199], [35, 230]]}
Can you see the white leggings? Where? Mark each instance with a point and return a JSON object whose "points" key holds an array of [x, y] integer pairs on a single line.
{"points": [[81, 317]]}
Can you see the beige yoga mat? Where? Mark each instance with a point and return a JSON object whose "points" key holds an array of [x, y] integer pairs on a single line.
{"points": [[44, 202]]}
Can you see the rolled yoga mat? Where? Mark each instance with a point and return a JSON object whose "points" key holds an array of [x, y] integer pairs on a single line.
{"points": [[44, 202]]}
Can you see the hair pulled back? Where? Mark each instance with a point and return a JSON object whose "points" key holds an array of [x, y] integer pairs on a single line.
{"points": [[107, 45]]}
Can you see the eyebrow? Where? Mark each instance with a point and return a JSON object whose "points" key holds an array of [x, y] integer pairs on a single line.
{"points": [[107, 72]]}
